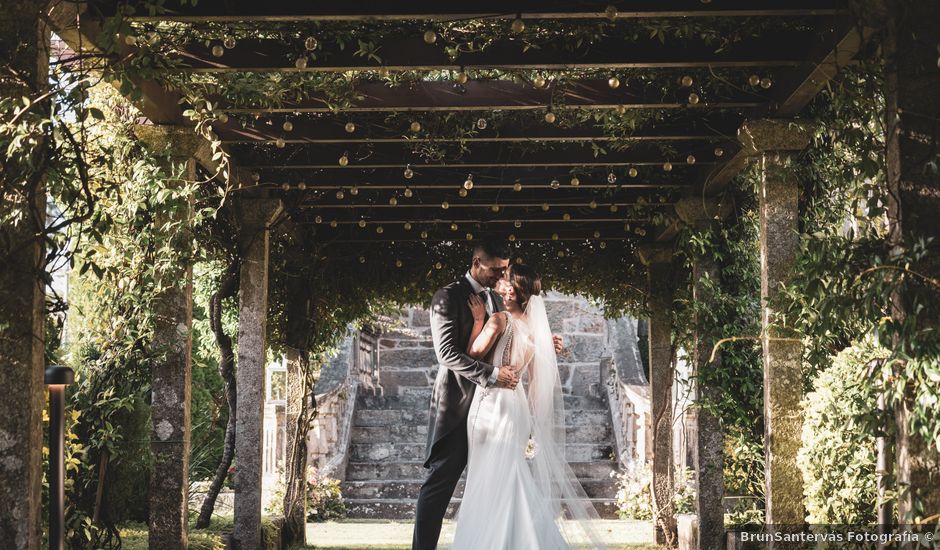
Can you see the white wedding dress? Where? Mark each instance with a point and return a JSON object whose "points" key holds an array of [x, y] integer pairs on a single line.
{"points": [[512, 502]]}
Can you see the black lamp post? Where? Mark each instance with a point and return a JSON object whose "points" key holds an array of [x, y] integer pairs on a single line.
{"points": [[57, 377]]}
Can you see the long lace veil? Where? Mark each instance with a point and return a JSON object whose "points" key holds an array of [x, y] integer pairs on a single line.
{"points": [[553, 476]]}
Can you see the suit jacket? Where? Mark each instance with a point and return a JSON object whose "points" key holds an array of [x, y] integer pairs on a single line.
{"points": [[458, 374]]}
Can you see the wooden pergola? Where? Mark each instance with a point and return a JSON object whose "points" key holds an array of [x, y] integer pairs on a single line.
{"points": [[353, 176]]}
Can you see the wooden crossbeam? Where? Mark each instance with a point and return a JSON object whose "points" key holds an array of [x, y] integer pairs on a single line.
{"points": [[440, 230], [330, 128], [490, 95], [410, 54], [369, 10], [329, 156]]}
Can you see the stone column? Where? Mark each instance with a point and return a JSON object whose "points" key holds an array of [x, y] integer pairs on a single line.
{"points": [[24, 46], [708, 447], [172, 370], [254, 218], [662, 373], [771, 141]]}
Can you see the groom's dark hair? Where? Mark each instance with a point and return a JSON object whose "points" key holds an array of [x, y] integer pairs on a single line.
{"points": [[492, 248]]}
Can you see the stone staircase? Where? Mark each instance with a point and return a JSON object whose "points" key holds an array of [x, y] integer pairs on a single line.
{"points": [[389, 432]]}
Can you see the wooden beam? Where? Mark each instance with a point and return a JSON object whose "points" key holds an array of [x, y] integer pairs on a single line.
{"points": [[505, 95], [367, 10], [83, 35], [330, 128], [412, 53], [392, 155], [440, 230]]}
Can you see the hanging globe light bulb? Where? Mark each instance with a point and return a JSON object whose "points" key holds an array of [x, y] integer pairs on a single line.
{"points": [[517, 224], [611, 178], [362, 259], [408, 192], [566, 217], [481, 123], [408, 173], [340, 194], [593, 204], [753, 80], [398, 263], [380, 230], [694, 98], [613, 82], [318, 219], [575, 181], [445, 205], [602, 244], [454, 227], [228, 42], [302, 186], [430, 36], [301, 63], [518, 25], [279, 143], [539, 82], [494, 208], [690, 159], [554, 236], [468, 184], [719, 151], [354, 190], [393, 201], [686, 81], [614, 208], [517, 187], [766, 83], [438, 265], [407, 226], [555, 184], [545, 207], [512, 237], [311, 43], [223, 118], [469, 236], [462, 78], [611, 12], [287, 126], [620, 109], [343, 160], [550, 117], [362, 223], [333, 224], [350, 127], [632, 172], [462, 192], [667, 166], [597, 234], [424, 234], [218, 51], [415, 126], [285, 186]]}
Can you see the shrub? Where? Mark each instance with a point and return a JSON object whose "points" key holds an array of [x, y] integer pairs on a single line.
{"points": [[837, 458], [634, 497], [324, 497]]}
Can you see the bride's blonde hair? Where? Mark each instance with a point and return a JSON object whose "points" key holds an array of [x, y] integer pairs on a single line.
{"points": [[526, 283]]}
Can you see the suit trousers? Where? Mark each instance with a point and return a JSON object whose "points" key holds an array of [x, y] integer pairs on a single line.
{"points": [[447, 462]]}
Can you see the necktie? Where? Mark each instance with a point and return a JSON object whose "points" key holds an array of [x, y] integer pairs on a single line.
{"points": [[487, 296]]}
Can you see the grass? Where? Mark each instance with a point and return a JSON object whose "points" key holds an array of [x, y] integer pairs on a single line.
{"points": [[134, 536]]}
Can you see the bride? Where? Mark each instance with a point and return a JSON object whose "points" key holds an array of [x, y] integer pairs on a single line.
{"points": [[520, 434]]}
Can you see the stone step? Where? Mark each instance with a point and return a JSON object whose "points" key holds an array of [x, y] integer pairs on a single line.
{"points": [[390, 417], [407, 489], [413, 469], [414, 397], [574, 452], [402, 432], [407, 358], [405, 508]]}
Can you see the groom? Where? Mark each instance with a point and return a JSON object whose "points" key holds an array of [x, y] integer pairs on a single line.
{"points": [[458, 376]]}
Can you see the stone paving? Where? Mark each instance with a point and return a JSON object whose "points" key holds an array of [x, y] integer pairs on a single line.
{"points": [[364, 534]]}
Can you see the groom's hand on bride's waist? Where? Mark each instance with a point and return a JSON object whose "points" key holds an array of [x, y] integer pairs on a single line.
{"points": [[507, 378]]}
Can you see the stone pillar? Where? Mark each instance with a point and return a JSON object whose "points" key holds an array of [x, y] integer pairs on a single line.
{"points": [[24, 47], [911, 81], [172, 370], [254, 218], [662, 373], [771, 141], [708, 447]]}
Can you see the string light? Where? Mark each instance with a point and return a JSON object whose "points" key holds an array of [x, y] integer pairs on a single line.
{"points": [[512, 237], [287, 126], [686, 81], [398, 263], [362, 223], [408, 192], [694, 98], [462, 192], [611, 178], [468, 184], [430, 36], [407, 226], [217, 51], [554, 236], [614, 208], [354, 190], [350, 127], [310, 43], [453, 227], [285, 186], [517, 187], [445, 205], [611, 12], [602, 244], [518, 25], [279, 143], [228, 42], [765, 83], [408, 173], [593, 204], [561, 253], [301, 63], [380, 230], [495, 208], [753, 80], [340, 195], [393, 201], [555, 184], [539, 81], [545, 207], [566, 217], [667, 166], [438, 265], [481, 123], [362, 259], [415, 126], [719, 151], [333, 224], [223, 118], [632, 172], [550, 117], [690, 159], [469, 236], [318, 219], [613, 82], [597, 234], [424, 234], [462, 77], [302, 186], [620, 109], [344, 160], [517, 224], [575, 181]]}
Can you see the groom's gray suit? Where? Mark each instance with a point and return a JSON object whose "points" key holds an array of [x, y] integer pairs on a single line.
{"points": [[457, 378]]}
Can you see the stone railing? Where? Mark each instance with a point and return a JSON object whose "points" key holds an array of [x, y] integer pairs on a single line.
{"points": [[628, 395], [338, 385]]}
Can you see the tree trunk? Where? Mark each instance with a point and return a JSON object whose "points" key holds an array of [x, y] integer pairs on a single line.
{"points": [[295, 475], [227, 289]]}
